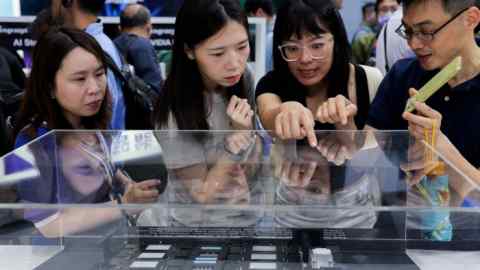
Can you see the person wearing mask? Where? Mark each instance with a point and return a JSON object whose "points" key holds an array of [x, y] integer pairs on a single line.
{"points": [[83, 14], [390, 46], [135, 45], [385, 10], [263, 9]]}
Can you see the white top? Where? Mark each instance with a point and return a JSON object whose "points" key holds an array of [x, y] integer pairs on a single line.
{"points": [[397, 47], [182, 149]]}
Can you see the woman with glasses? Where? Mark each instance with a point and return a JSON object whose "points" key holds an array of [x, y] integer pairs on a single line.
{"points": [[313, 85]]}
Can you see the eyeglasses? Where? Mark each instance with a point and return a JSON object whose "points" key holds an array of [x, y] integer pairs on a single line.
{"points": [[318, 49], [408, 34]]}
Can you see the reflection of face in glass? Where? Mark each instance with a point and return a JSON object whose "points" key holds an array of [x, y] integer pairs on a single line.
{"points": [[235, 188], [83, 173], [241, 176], [305, 179]]}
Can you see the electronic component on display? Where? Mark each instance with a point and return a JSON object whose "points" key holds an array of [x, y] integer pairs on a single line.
{"points": [[321, 257]]}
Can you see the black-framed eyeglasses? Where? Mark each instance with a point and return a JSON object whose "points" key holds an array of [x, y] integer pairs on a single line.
{"points": [[408, 34]]}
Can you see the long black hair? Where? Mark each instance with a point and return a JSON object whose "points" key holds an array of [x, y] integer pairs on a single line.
{"points": [[48, 55], [297, 17], [182, 94]]}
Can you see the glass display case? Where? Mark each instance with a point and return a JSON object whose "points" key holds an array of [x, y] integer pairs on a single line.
{"points": [[235, 200]]}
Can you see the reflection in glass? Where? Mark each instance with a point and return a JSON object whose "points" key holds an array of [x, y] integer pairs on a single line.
{"points": [[213, 169], [334, 193], [77, 168], [372, 181]]}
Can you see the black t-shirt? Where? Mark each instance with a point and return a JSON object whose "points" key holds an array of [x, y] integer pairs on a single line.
{"points": [[459, 106], [4, 145], [289, 89], [12, 78]]}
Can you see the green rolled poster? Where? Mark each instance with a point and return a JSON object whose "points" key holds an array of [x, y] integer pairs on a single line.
{"points": [[445, 75]]}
